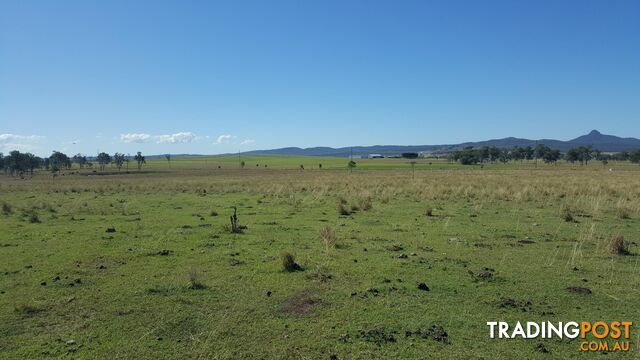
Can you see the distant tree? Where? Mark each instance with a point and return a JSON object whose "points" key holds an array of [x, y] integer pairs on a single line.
{"points": [[483, 154], [551, 156], [103, 159], [580, 153], [1, 161], [621, 156], [168, 157], [517, 154], [468, 155], [504, 156], [540, 150], [319, 165], [140, 160], [242, 164], [301, 167], [118, 159], [634, 157], [17, 163], [59, 161], [80, 159], [33, 162], [351, 165], [528, 153], [413, 169], [410, 155], [13, 163], [495, 154]]}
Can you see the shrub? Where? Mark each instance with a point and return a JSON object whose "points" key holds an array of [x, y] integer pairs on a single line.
{"points": [[32, 216], [567, 215], [623, 212], [213, 213], [194, 281], [618, 246], [6, 208], [343, 210], [329, 237], [429, 212], [289, 263], [236, 228], [365, 204]]}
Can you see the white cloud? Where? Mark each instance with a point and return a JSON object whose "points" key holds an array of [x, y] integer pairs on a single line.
{"points": [[8, 147], [134, 138], [13, 137], [225, 139], [247, 142], [24, 143], [181, 137]]}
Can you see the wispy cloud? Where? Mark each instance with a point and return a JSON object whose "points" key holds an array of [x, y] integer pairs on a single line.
{"points": [[4, 138], [181, 137], [134, 138], [247, 142], [225, 139], [10, 142]]}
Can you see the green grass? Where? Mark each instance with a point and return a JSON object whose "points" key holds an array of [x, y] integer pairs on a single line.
{"points": [[135, 297]]}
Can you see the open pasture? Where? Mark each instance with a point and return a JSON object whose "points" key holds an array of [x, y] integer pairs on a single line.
{"points": [[390, 264]]}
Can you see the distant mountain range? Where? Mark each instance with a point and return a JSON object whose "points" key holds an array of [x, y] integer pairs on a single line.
{"points": [[602, 142]]}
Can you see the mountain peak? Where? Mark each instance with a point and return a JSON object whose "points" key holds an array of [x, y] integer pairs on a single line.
{"points": [[595, 132]]}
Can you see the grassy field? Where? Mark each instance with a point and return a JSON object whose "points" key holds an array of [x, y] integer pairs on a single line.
{"points": [[171, 280]]}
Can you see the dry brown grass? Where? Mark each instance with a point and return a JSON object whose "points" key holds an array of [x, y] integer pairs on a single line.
{"points": [[618, 246], [329, 238]]}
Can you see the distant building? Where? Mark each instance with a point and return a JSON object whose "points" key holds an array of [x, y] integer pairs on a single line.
{"points": [[375, 156]]}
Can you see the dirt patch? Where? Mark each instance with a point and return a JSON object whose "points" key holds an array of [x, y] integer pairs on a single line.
{"points": [[526, 242], [434, 332], [483, 246], [542, 348], [301, 304], [487, 274], [579, 290], [378, 336], [514, 304], [422, 286]]}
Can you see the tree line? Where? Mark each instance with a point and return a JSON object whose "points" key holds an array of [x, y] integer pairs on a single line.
{"points": [[18, 163], [581, 154]]}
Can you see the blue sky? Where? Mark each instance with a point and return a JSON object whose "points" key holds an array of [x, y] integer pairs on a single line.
{"points": [[214, 77]]}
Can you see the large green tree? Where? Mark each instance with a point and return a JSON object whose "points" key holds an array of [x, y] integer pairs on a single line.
{"points": [[59, 161]]}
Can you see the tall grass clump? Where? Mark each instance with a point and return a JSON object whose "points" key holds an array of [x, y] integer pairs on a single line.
{"points": [[343, 209], [329, 238], [567, 214], [194, 281], [31, 215], [623, 212], [618, 246]]}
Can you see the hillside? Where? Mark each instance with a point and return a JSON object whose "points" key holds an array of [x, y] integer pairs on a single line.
{"points": [[602, 142]]}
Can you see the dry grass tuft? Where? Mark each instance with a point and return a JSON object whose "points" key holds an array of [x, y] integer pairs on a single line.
{"points": [[329, 237], [618, 246]]}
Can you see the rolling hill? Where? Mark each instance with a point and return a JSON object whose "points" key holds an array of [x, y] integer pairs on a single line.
{"points": [[595, 139]]}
